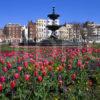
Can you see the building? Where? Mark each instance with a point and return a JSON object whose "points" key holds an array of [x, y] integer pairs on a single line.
{"points": [[95, 37], [97, 28], [13, 33], [66, 32], [2, 35], [32, 31], [70, 32], [92, 31], [41, 29], [77, 31], [90, 27]]}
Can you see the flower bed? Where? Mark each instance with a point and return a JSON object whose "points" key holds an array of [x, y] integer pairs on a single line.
{"points": [[45, 73]]}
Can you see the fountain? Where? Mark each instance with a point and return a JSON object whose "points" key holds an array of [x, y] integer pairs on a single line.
{"points": [[54, 27], [53, 39]]}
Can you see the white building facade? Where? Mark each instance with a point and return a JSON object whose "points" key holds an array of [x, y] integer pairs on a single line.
{"points": [[41, 29]]}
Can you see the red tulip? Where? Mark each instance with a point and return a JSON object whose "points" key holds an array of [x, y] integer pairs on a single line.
{"points": [[12, 84], [79, 63], [19, 60], [2, 78], [1, 87], [35, 73], [4, 69], [16, 75], [73, 76], [69, 67], [19, 68], [60, 68], [42, 68], [41, 63], [25, 64], [36, 64], [2, 61], [44, 73], [39, 78], [27, 77], [32, 61], [86, 63], [9, 65]]}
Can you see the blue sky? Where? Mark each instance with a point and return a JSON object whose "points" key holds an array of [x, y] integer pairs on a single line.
{"points": [[21, 11]]}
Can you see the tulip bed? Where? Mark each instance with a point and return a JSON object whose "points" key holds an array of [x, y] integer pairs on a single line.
{"points": [[50, 73]]}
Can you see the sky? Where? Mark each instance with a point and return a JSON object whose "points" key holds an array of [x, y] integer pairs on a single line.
{"points": [[22, 11]]}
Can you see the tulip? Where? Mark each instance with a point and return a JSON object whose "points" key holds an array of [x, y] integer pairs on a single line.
{"points": [[69, 67], [19, 60], [73, 76], [50, 68], [36, 64], [27, 77], [39, 78], [44, 73], [1, 87], [16, 75], [19, 68], [9, 65], [2, 78], [60, 68], [25, 64], [35, 73], [86, 63], [79, 63], [2, 62], [32, 61], [12, 84], [4, 69], [42, 68]]}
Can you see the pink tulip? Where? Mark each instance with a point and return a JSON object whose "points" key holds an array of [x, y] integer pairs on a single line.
{"points": [[2, 78], [4, 69], [27, 77], [16, 75], [19, 68], [25, 64]]}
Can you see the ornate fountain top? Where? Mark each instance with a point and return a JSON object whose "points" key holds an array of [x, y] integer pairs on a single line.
{"points": [[54, 27], [53, 10], [53, 15]]}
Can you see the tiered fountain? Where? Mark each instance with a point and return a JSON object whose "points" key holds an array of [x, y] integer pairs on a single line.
{"points": [[54, 27], [53, 39]]}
